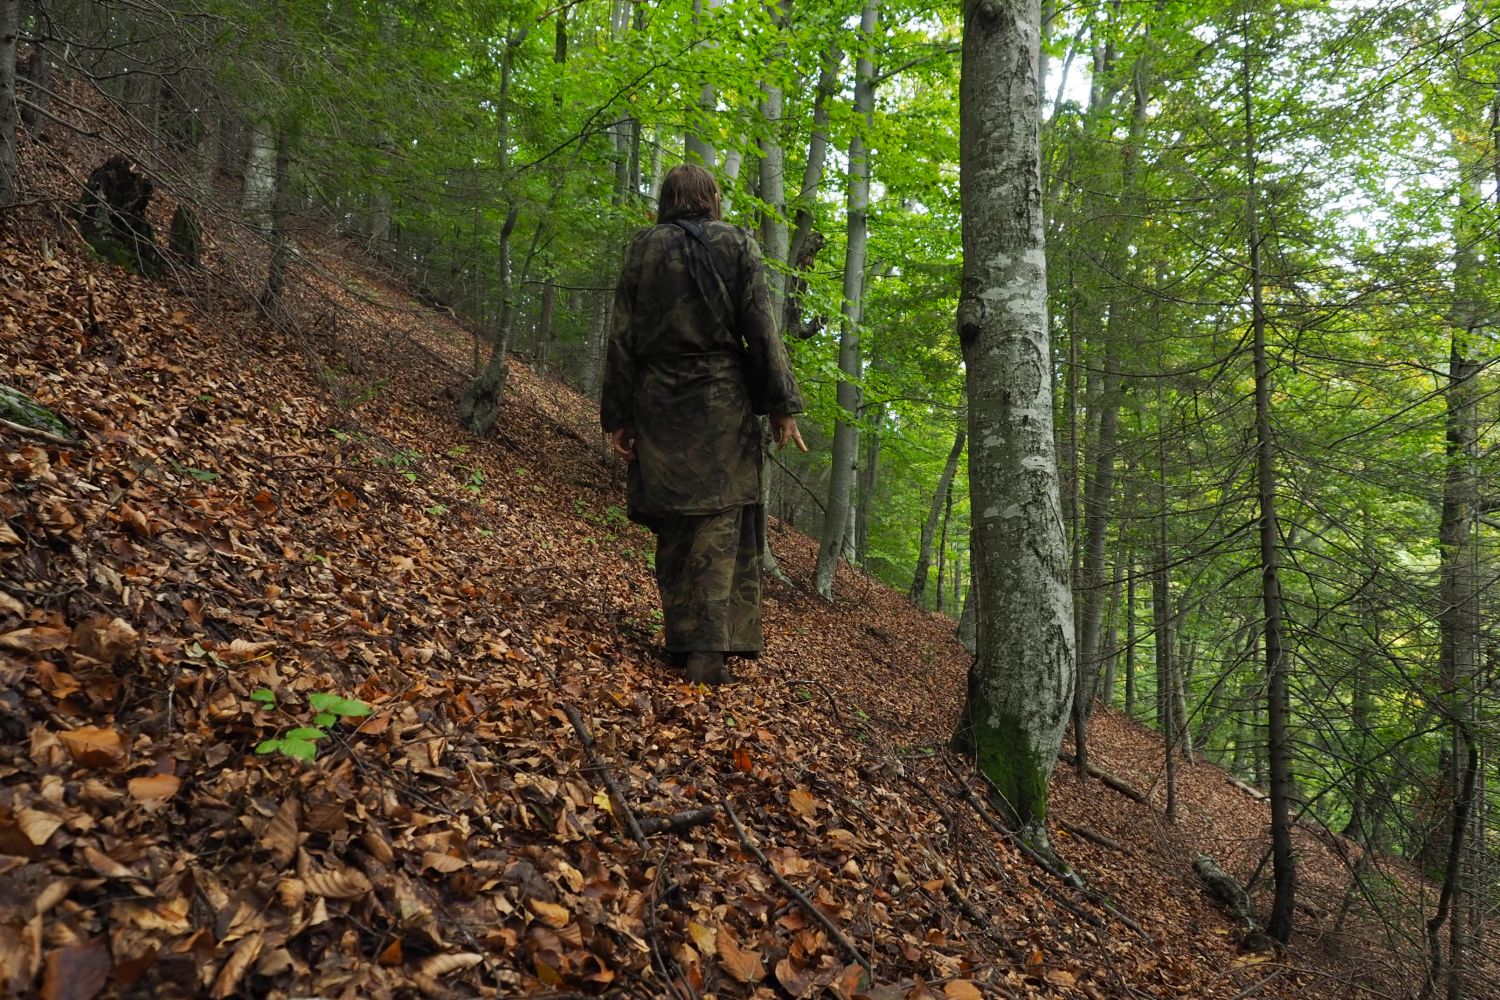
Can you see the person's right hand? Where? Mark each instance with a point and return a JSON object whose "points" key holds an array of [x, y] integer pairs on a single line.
{"points": [[784, 429], [622, 441]]}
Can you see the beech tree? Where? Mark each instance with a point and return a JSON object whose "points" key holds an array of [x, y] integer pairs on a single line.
{"points": [[1021, 683]]}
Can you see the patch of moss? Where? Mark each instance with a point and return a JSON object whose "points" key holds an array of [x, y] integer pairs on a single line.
{"points": [[19, 408]]}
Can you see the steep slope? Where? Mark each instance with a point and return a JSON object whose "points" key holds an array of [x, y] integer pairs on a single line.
{"points": [[268, 517]]}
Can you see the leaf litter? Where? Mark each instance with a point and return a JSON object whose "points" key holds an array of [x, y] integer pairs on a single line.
{"points": [[239, 548]]}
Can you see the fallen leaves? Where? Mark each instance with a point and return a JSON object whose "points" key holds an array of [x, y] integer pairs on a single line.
{"points": [[744, 964], [94, 746], [77, 971], [154, 787]]}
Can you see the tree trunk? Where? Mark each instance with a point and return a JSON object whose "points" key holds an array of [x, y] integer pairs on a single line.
{"points": [[968, 619], [281, 207], [918, 587], [845, 431], [10, 29], [868, 472], [776, 240], [38, 70], [259, 191], [1021, 684], [479, 406], [1112, 635], [1130, 638], [942, 549], [542, 344], [697, 148], [1278, 705]]}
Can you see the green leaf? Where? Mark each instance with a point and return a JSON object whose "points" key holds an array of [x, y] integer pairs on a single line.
{"points": [[305, 733], [324, 720], [300, 749], [268, 746], [325, 702], [265, 696]]}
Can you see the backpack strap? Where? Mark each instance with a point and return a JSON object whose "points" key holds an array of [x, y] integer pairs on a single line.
{"points": [[695, 232]]}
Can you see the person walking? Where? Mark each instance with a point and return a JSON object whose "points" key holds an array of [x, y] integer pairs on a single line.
{"points": [[693, 357]]}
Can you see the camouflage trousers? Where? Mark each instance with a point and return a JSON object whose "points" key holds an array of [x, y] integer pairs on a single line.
{"points": [[708, 572]]}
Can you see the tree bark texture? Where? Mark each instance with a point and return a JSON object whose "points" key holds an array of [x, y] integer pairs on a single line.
{"points": [[10, 30], [845, 431], [1021, 684]]}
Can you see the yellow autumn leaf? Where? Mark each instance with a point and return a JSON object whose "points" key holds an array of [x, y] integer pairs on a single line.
{"points": [[550, 913]]}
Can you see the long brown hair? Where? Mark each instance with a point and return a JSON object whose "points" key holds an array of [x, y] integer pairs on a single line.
{"points": [[688, 192]]}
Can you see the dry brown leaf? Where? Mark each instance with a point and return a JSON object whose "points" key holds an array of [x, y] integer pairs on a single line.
{"points": [[741, 963], [109, 640], [76, 972], [283, 832], [227, 982], [8, 535], [154, 787], [803, 801], [443, 965], [550, 913], [378, 846], [1060, 977], [38, 639], [291, 892], [391, 953], [105, 865], [339, 883], [962, 989], [94, 746], [38, 826], [439, 862]]}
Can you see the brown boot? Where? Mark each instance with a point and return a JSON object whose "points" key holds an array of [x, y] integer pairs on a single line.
{"points": [[705, 667]]}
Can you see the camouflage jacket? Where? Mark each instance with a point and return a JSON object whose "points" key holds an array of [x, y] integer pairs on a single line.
{"points": [[682, 376]]}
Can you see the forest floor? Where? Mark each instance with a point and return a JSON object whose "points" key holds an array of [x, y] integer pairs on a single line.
{"points": [[262, 516]]}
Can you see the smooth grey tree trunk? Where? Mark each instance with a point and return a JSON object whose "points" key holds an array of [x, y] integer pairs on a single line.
{"points": [[845, 432], [1021, 684], [918, 589], [259, 191], [776, 240], [10, 29]]}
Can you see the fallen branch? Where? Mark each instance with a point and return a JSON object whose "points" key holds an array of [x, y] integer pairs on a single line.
{"points": [[1093, 836], [797, 894], [631, 823], [1118, 784], [678, 822], [40, 435]]}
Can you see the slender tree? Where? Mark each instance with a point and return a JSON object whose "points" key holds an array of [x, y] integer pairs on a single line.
{"points": [[836, 520]]}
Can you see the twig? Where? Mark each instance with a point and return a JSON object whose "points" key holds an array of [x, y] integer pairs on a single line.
{"points": [[631, 823], [795, 893], [678, 822], [832, 702], [47, 436], [1257, 987]]}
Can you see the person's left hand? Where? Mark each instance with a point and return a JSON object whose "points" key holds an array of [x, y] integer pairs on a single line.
{"points": [[622, 442]]}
